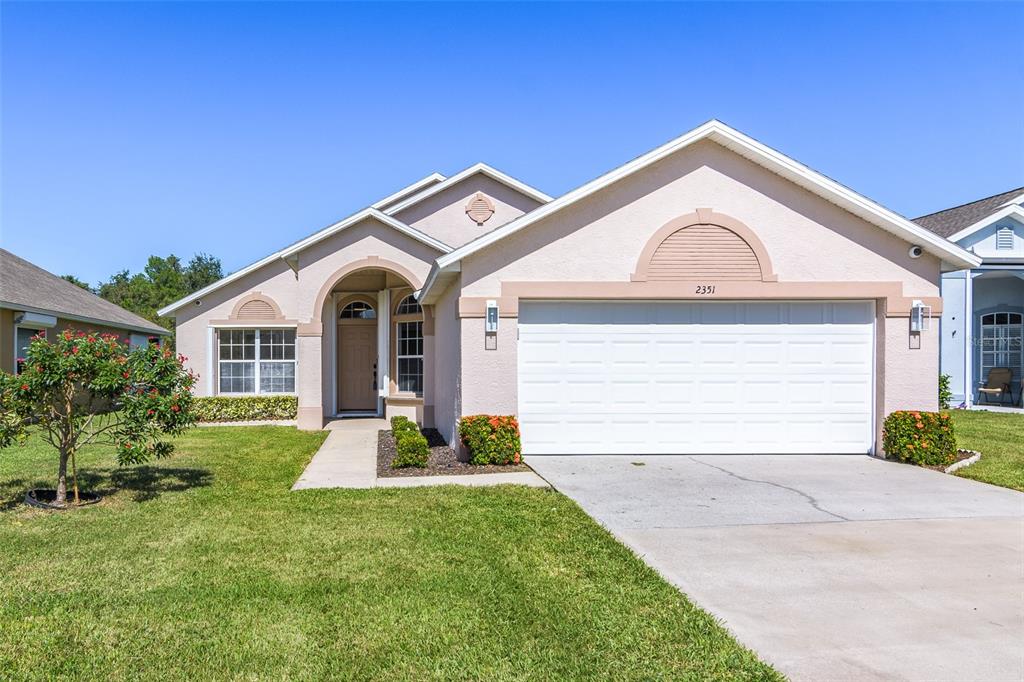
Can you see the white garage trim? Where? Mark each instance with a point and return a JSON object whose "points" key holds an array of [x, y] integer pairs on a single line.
{"points": [[684, 377]]}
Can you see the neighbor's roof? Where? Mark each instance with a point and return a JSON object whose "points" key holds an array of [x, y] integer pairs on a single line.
{"points": [[445, 267], [949, 222], [27, 287]]}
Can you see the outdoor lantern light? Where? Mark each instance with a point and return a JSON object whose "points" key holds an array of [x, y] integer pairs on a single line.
{"points": [[920, 317], [491, 323]]}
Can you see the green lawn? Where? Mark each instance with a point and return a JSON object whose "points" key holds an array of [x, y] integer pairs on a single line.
{"points": [[205, 565], [1000, 440]]}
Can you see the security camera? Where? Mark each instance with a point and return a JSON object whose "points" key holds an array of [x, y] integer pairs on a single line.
{"points": [[915, 251]]}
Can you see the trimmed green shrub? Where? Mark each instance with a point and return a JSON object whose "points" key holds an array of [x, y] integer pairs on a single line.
{"points": [[945, 392], [920, 438], [411, 450], [245, 408], [400, 424], [491, 439]]}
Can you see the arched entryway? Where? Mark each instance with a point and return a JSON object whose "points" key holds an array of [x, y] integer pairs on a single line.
{"points": [[375, 345]]}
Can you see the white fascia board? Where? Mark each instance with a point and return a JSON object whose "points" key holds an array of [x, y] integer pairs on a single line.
{"points": [[290, 251], [1010, 211], [758, 153], [417, 186], [481, 168], [437, 281]]}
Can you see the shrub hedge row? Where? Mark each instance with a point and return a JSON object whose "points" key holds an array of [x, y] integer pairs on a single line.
{"points": [[491, 439], [411, 446], [919, 438], [245, 408]]}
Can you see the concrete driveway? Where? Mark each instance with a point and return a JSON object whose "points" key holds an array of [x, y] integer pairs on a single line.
{"points": [[830, 567]]}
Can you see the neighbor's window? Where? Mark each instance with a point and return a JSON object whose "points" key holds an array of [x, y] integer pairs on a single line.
{"points": [[23, 339], [257, 360], [1002, 335]]}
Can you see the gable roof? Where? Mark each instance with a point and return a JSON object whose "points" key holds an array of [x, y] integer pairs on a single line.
{"points": [[475, 169], [26, 286], [408, 191], [718, 132], [958, 220], [290, 251]]}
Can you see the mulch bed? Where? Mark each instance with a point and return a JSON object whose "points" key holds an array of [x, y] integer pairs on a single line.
{"points": [[961, 455], [442, 461]]}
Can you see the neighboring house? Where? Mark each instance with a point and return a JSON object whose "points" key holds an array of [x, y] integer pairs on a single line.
{"points": [[34, 301], [983, 312], [712, 295]]}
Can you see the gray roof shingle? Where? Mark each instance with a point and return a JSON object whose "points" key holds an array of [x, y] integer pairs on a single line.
{"points": [[23, 284], [952, 220]]}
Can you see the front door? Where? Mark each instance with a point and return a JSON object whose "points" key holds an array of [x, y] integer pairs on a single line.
{"points": [[357, 365]]}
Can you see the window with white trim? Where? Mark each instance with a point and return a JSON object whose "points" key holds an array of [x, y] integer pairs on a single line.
{"points": [[358, 310], [409, 346], [410, 357], [257, 360], [409, 306], [1002, 336], [1004, 239]]}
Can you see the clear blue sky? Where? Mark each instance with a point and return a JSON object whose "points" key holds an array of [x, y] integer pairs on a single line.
{"points": [[233, 129]]}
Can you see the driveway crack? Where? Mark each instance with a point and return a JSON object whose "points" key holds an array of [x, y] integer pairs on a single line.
{"points": [[813, 502]]}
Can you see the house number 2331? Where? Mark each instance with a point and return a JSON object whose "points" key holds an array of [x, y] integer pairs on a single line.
{"points": [[705, 289]]}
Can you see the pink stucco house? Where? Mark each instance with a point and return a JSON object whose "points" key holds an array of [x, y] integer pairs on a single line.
{"points": [[711, 295]]}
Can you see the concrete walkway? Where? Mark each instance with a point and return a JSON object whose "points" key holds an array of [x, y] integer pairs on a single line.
{"points": [[348, 459]]}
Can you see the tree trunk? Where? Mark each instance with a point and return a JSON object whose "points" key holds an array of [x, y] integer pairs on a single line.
{"points": [[62, 479]]}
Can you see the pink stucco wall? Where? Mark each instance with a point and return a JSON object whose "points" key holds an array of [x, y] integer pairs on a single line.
{"points": [[447, 396], [297, 295], [599, 240], [443, 216]]}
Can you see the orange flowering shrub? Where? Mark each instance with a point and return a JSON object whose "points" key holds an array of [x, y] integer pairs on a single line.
{"points": [[491, 439], [919, 438]]}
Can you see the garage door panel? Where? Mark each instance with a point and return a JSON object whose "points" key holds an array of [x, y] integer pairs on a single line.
{"points": [[644, 377]]}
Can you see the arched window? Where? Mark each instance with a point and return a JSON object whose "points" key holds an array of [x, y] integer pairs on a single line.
{"points": [[408, 306], [358, 310], [1001, 343]]}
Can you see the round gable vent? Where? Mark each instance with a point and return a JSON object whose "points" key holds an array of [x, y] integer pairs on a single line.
{"points": [[479, 209]]}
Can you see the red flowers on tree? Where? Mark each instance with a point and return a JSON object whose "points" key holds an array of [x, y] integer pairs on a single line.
{"points": [[128, 398]]}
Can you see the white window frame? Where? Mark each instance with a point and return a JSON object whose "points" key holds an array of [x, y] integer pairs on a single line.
{"points": [[1010, 327], [256, 362], [399, 357]]}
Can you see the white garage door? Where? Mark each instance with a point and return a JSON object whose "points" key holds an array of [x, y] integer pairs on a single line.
{"points": [[603, 377]]}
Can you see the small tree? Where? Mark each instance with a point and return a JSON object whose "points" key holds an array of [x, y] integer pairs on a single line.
{"points": [[83, 389]]}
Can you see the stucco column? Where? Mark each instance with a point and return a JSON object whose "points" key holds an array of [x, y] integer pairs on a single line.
{"points": [[310, 361], [428, 366]]}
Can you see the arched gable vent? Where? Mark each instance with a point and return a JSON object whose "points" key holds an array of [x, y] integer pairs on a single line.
{"points": [[704, 247], [256, 307], [704, 252]]}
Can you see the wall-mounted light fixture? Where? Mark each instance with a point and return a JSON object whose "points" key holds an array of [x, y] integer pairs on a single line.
{"points": [[920, 317]]}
